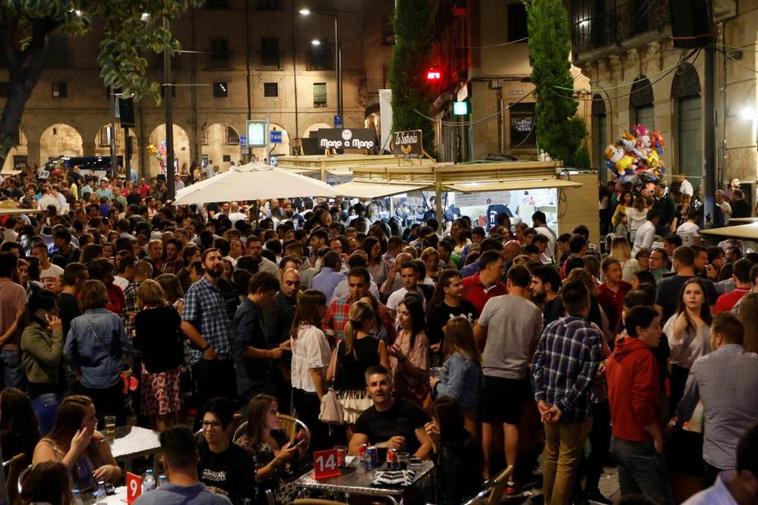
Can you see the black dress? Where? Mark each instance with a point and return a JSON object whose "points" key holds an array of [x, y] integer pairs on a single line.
{"points": [[352, 365]]}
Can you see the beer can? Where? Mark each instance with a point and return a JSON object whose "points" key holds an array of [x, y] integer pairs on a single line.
{"points": [[373, 456], [340, 457], [362, 451], [391, 459]]}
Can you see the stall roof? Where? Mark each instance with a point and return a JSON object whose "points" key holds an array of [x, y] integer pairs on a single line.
{"points": [[362, 189], [746, 231], [473, 187]]}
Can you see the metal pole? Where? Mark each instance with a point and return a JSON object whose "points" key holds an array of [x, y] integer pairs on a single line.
{"points": [[168, 90], [247, 69], [114, 163], [127, 154], [294, 73], [709, 132], [338, 64]]}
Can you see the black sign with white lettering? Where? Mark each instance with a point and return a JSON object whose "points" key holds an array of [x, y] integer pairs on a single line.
{"points": [[407, 143], [346, 138]]}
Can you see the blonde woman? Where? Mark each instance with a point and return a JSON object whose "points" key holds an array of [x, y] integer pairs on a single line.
{"points": [[357, 352], [622, 251], [158, 337]]}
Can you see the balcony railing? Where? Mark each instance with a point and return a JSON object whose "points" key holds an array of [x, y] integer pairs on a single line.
{"points": [[593, 29]]}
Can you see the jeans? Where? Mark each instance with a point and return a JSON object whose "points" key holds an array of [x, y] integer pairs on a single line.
{"points": [[13, 372], [642, 470], [564, 443]]}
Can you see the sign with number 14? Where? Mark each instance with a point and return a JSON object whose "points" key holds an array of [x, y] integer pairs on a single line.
{"points": [[133, 487], [325, 464]]}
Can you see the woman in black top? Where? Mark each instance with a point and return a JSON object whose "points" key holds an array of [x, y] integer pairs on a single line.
{"points": [[158, 337], [352, 357], [226, 468]]}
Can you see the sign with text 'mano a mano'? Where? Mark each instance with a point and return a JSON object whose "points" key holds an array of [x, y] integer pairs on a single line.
{"points": [[346, 138]]}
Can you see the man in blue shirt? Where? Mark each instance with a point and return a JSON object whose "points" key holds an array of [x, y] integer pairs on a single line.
{"points": [[330, 275], [180, 460]]}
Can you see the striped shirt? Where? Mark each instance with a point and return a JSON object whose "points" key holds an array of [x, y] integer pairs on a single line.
{"points": [[205, 309], [564, 366]]}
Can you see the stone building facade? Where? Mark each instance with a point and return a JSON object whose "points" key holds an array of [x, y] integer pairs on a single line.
{"points": [[637, 76], [292, 83]]}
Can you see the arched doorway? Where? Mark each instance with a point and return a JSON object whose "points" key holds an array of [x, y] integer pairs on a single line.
{"points": [[685, 90], [599, 135], [157, 142], [60, 140], [641, 110], [314, 127], [18, 157], [220, 146], [103, 146]]}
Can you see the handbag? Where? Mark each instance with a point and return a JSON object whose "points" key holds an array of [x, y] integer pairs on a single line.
{"points": [[331, 410]]}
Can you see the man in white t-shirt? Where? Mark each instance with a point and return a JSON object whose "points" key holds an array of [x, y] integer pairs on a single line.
{"points": [[645, 235], [689, 231], [685, 187], [410, 274], [50, 274]]}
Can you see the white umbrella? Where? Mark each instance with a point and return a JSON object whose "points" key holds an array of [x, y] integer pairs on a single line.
{"points": [[254, 181]]}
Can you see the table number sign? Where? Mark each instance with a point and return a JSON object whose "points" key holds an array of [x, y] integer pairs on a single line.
{"points": [[133, 487], [325, 464]]}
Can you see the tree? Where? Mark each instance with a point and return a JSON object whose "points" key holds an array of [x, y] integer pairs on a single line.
{"points": [[411, 94], [130, 28], [559, 132]]}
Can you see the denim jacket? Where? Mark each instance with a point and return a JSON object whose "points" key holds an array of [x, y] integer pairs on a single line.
{"points": [[96, 347], [460, 378]]}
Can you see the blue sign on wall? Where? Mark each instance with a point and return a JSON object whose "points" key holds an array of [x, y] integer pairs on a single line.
{"points": [[276, 137]]}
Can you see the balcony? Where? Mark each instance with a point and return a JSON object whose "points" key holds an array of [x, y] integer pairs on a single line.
{"points": [[598, 24]]}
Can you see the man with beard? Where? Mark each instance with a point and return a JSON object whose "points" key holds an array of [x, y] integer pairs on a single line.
{"points": [[277, 325], [255, 249], [173, 263], [544, 288], [206, 323]]}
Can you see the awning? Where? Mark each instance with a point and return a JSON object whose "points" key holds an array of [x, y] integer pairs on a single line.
{"points": [[742, 220], [360, 189], [746, 231], [509, 185]]}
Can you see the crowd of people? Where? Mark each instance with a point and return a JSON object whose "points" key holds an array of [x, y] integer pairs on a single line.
{"points": [[478, 348]]}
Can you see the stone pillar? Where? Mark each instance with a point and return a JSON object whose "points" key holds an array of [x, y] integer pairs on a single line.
{"points": [[33, 148], [88, 147]]}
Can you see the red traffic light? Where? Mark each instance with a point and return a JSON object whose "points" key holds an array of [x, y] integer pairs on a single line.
{"points": [[433, 74]]}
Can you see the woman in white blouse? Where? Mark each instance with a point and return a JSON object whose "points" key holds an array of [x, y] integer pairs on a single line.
{"points": [[688, 333], [310, 358]]}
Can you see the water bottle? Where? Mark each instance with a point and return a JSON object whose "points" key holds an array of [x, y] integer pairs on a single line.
{"points": [[77, 497], [148, 484], [162, 480], [100, 496]]}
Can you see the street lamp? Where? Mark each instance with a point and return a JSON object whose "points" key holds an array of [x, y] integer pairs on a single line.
{"points": [[337, 51]]}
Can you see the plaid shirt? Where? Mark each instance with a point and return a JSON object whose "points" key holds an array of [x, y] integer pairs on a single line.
{"points": [[130, 293], [205, 309], [339, 313], [565, 365]]}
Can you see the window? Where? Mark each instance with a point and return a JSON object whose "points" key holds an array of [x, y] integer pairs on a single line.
{"points": [[271, 89], [204, 137], [3, 90], [388, 32], [227, 158], [231, 136], [60, 90], [320, 57], [57, 52], [523, 135], [319, 94], [599, 135], [219, 53], [269, 53], [104, 136], [20, 162], [268, 5], [220, 90], [517, 29]]}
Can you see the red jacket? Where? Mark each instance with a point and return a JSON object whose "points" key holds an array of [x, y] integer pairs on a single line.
{"points": [[634, 393]]}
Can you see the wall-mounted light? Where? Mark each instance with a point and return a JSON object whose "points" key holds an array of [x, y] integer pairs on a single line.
{"points": [[315, 42], [304, 12]]}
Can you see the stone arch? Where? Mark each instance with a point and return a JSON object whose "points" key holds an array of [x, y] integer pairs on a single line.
{"points": [[181, 148], [373, 120], [687, 125], [686, 81], [220, 144], [18, 156], [599, 134], [314, 127], [60, 139]]}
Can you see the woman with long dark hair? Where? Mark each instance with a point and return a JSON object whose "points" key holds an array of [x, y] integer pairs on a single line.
{"points": [[409, 355], [18, 425], [688, 332], [376, 265], [310, 359], [42, 356]]}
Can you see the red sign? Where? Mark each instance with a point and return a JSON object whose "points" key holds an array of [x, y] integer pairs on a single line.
{"points": [[133, 487], [325, 464]]}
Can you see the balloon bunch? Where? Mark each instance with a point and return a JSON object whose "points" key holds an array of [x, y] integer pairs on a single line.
{"points": [[160, 154], [636, 157]]}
